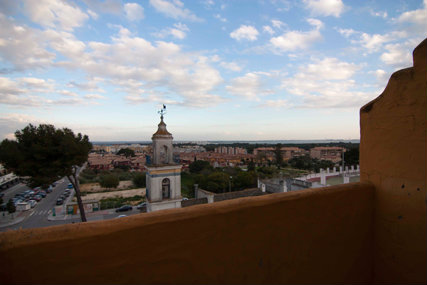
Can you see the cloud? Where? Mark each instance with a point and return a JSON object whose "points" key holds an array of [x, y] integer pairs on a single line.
{"points": [[178, 31], [174, 9], [268, 29], [134, 12], [92, 14], [382, 14], [326, 83], [399, 55], [296, 40], [22, 47], [219, 17], [105, 6], [325, 7], [249, 86], [93, 96], [231, 66], [416, 18], [245, 32], [11, 122], [55, 14], [33, 92], [158, 66], [279, 103], [277, 24]]}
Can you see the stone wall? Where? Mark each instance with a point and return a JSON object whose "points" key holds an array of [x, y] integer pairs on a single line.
{"points": [[192, 202], [238, 194]]}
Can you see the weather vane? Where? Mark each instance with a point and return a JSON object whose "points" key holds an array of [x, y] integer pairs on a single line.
{"points": [[162, 111]]}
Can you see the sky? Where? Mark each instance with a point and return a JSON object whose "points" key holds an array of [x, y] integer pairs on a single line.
{"points": [[226, 70]]}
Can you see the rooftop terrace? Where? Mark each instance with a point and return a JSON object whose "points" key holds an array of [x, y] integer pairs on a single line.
{"points": [[373, 231]]}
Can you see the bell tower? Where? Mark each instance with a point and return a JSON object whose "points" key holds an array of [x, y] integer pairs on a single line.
{"points": [[163, 175]]}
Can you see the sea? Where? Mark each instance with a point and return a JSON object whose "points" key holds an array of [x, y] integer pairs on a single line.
{"points": [[356, 141]]}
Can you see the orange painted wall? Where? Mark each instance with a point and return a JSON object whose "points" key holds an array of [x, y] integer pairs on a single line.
{"points": [[311, 236], [393, 157]]}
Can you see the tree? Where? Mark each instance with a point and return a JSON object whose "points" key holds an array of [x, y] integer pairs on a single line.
{"points": [[251, 165], [46, 154], [351, 157], [139, 180], [278, 153], [199, 165], [10, 206], [109, 181], [126, 152]]}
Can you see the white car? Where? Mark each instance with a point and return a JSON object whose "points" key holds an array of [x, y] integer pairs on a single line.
{"points": [[32, 203]]}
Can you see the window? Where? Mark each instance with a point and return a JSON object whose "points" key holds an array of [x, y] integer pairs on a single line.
{"points": [[166, 188]]}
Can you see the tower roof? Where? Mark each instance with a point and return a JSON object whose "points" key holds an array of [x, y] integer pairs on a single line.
{"points": [[162, 132]]}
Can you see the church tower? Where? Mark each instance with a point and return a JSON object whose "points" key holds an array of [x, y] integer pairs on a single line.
{"points": [[163, 175]]}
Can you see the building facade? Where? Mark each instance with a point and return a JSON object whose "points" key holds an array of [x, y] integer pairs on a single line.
{"points": [[163, 175]]}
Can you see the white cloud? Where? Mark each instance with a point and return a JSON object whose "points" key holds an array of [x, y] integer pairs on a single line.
{"points": [[105, 6], [134, 11], [296, 40], [92, 14], [249, 86], [219, 17], [155, 65], [245, 32], [416, 18], [382, 14], [326, 83], [93, 96], [174, 9], [22, 47], [179, 31], [346, 32], [231, 66], [55, 14], [268, 29], [277, 24], [325, 7], [399, 55], [278, 103]]}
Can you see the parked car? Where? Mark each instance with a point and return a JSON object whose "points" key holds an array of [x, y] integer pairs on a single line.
{"points": [[124, 208], [59, 201], [37, 198], [121, 216], [32, 203], [42, 194], [70, 186], [141, 206], [3, 207]]}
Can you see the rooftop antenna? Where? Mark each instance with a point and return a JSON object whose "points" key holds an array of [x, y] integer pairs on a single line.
{"points": [[162, 112]]}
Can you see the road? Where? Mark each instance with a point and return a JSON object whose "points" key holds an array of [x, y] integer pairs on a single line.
{"points": [[39, 214]]}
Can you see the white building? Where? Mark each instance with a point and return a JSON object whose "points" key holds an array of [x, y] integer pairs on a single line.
{"points": [[163, 175]]}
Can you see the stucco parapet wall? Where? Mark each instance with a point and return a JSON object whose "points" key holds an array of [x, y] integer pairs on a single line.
{"points": [[319, 235], [17, 238]]}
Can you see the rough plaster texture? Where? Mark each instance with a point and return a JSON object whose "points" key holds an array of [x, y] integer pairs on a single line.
{"points": [[318, 236], [393, 157]]}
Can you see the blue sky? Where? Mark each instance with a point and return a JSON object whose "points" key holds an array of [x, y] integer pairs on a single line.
{"points": [[227, 70]]}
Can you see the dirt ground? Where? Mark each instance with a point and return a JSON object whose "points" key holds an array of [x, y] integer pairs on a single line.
{"points": [[123, 193], [95, 187]]}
